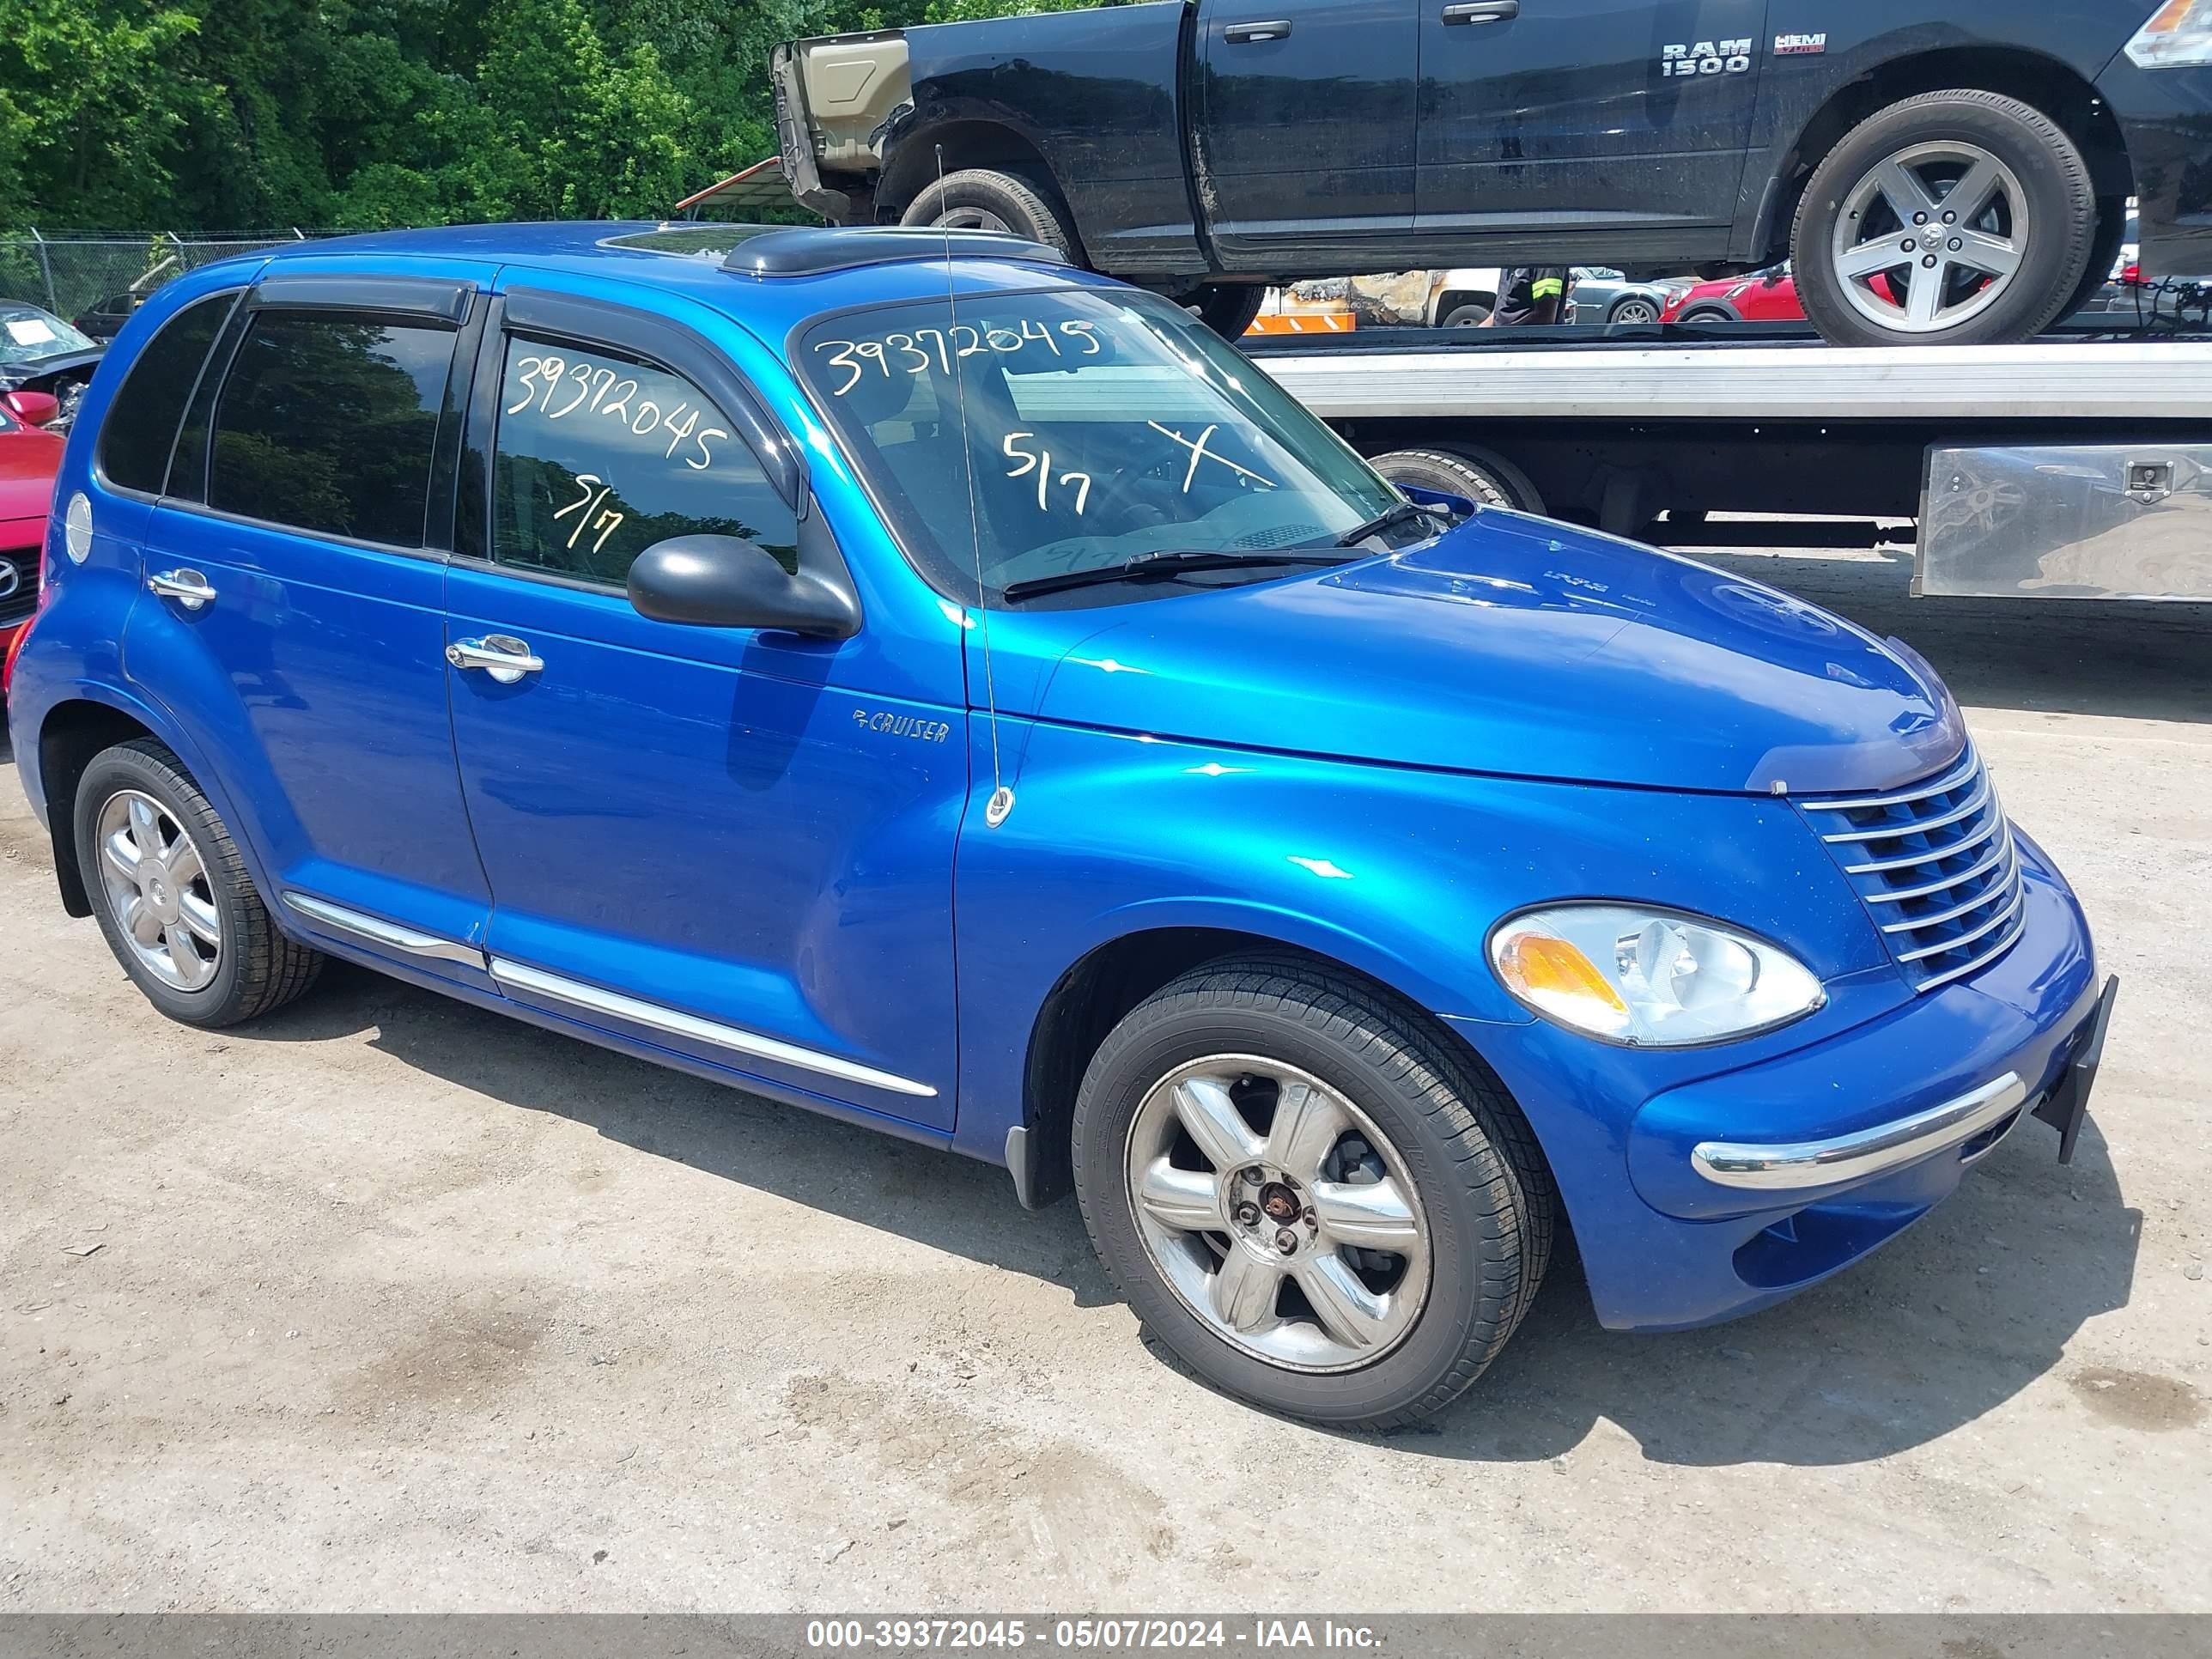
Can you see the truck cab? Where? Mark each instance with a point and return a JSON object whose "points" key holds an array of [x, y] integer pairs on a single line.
{"points": [[1208, 148]]}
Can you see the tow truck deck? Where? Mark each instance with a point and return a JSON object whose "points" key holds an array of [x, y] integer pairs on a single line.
{"points": [[2078, 465]]}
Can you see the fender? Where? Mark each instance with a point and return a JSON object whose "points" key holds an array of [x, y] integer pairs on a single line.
{"points": [[164, 726], [1394, 872]]}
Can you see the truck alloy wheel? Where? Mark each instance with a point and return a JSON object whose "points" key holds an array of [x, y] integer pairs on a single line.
{"points": [[1955, 218], [1931, 238]]}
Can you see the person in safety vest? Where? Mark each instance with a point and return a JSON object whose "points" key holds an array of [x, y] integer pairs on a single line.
{"points": [[1529, 294]]}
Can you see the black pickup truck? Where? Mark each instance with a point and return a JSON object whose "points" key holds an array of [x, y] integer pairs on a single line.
{"points": [[1946, 172]]}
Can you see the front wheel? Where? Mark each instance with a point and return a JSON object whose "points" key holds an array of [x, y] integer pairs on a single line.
{"points": [[1953, 218], [1633, 309], [1321, 1206]]}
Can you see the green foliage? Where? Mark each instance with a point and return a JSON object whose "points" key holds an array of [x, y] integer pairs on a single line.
{"points": [[237, 114]]}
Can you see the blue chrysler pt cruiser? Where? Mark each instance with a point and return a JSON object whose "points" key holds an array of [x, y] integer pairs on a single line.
{"points": [[898, 673]]}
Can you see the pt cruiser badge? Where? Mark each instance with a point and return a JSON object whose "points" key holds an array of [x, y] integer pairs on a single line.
{"points": [[900, 726]]}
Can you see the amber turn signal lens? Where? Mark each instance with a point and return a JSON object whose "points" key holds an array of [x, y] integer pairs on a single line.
{"points": [[1537, 967]]}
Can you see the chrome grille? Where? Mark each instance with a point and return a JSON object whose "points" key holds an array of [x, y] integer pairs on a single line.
{"points": [[1936, 865]]}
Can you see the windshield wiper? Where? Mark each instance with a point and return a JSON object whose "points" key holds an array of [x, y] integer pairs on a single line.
{"points": [[1382, 521], [1152, 566]]}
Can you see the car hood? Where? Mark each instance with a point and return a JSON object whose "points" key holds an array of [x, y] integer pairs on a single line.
{"points": [[28, 461], [1511, 645]]}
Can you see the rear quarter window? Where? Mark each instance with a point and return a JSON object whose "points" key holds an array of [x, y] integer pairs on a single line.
{"points": [[141, 428]]}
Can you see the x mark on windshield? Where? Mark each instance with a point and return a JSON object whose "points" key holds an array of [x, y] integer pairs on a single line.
{"points": [[1198, 452]]}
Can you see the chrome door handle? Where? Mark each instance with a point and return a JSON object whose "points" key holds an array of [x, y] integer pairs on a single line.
{"points": [[1483, 11], [187, 587], [1238, 34], [502, 656]]}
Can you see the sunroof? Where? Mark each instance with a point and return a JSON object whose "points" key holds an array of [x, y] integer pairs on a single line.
{"points": [[694, 241]]}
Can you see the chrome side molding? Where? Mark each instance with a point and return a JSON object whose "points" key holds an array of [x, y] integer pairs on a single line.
{"points": [[1769, 1167], [593, 999], [384, 935]]}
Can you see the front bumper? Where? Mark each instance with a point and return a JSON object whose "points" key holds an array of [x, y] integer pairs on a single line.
{"points": [[2166, 120], [1725, 1194]]}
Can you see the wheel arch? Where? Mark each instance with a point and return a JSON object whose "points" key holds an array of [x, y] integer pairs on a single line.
{"points": [[77, 727], [1450, 299], [2046, 83], [967, 141], [1098, 991]]}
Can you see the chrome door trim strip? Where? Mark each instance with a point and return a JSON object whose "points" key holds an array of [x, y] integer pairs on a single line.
{"points": [[386, 935], [577, 994], [1775, 1166]]}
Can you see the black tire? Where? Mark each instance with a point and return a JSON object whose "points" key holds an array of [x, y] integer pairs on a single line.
{"points": [[1474, 314], [259, 967], [1482, 1182], [2053, 178], [984, 193], [1461, 469], [2104, 253], [1227, 308], [1708, 314], [1647, 308]]}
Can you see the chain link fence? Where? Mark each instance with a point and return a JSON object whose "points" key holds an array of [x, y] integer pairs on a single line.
{"points": [[103, 277]]}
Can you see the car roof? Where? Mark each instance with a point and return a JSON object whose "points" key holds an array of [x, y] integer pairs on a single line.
{"points": [[817, 270]]}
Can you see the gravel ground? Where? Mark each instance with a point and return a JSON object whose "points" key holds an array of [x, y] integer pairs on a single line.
{"points": [[388, 1304]]}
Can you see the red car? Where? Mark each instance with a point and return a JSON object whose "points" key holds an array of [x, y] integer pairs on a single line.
{"points": [[29, 458], [1765, 296]]}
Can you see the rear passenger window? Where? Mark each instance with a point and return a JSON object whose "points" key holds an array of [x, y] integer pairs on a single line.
{"points": [[599, 455], [328, 422], [141, 426]]}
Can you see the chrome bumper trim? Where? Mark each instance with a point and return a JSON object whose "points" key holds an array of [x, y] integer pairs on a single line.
{"points": [[384, 935], [1769, 1167], [578, 994]]}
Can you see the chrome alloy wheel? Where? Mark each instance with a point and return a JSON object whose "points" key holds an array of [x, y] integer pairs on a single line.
{"points": [[1930, 237], [1278, 1213], [158, 890], [970, 218], [1635, 311]]}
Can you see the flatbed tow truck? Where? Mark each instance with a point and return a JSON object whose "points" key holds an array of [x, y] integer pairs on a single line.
{"points": [[2078, 465]]}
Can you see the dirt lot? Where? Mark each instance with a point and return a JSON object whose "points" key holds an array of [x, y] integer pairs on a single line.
{"points": [[396, 1304]]}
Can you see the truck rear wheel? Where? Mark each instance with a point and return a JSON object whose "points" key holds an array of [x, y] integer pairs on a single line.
{"points": [[1227, 308], [1954, 218], [1487, 480], [983, 198]]}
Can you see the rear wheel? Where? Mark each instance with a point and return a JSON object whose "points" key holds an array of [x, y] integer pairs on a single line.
{"points": [[1473, 315], [1707, 314], [172, 896], [1227, 308], [983, 198], [1485, 478], [1954, 218], [1316, 1202]]}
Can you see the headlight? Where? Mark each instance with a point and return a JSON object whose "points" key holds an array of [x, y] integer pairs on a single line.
{"points": [[2178, 35], [1635, 976]]}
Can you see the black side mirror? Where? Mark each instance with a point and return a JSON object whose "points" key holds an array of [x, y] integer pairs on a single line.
{"points": [[726, 581]]}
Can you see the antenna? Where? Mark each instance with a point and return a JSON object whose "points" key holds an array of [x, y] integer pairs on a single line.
{"points": [[1002, 798]]}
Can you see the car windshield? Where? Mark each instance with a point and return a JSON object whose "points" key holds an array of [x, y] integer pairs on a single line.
{"points": [[1097, 427], [27, 332]]}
